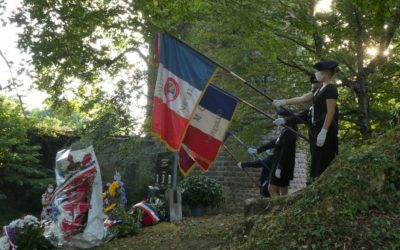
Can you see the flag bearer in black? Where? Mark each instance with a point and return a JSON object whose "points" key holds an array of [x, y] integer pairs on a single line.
{"points": [[283, 159], [304, 116], [324, 117], [265, 164]]}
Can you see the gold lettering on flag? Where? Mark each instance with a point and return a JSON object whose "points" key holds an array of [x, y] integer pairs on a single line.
{"points": [[216, 125], [197, 117], [187, 96]]}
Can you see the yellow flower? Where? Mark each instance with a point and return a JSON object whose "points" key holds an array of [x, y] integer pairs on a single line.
{"points": [[109, 208], [113, 188]]}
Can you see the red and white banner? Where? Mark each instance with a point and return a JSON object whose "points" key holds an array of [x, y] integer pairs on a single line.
{"points": [[183, 75]]}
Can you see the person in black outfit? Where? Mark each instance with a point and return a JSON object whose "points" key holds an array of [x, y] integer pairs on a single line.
{"points": [[265, 164], [303, 117], [324, 117], [283, 159]]}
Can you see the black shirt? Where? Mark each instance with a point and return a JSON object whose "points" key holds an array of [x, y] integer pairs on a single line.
{"points": [[302, 117], [319, 104], [284, 151]]}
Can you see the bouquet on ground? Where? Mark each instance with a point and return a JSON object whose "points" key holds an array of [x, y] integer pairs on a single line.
{"points": [[150, 212], [114, 197], [24, 233], [118, 223]]}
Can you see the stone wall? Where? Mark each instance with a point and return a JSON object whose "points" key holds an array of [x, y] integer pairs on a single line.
{"points": [[237, 185], [300, 172]]}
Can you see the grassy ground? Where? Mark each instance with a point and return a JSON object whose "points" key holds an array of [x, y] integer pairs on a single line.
{"points": [[354, 205], [193, 233]]}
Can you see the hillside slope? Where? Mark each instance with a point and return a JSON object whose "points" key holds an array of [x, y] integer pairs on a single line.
{"points": [[354, 205]]}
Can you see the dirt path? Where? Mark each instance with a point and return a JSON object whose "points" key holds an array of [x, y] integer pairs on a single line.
{"points": [[193, 233]]}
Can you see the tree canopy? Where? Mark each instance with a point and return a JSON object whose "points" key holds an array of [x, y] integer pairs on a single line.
{"points": [[19, 168], [77, 45]]}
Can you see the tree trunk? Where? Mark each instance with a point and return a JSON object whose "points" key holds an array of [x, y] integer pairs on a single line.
{"points": [[363, 107], [361, 88]]}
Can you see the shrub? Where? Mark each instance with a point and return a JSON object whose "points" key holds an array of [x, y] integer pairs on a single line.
{"points": [[26, 233], [201, 190]]}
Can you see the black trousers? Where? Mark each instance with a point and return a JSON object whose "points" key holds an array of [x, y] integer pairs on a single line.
{"points": [[321, 157], [266, 165]]}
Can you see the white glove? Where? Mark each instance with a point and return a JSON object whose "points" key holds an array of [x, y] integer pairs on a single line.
{"points": [[252, 151], [321, 137], [278, 173], [279, 121], [278, 103], [240, 165]]}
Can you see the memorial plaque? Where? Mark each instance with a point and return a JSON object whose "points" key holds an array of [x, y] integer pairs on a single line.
{"points": [[164, 170]]}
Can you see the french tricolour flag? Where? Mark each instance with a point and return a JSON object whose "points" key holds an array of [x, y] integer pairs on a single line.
{"points": [[207, 130], [183, 75]]}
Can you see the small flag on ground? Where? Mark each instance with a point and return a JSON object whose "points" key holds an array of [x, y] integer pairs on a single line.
{"points": [[207, 130], [183, 75]]}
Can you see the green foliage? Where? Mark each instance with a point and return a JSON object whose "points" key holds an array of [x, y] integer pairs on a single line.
{"points": [[128, 227], [159, 205], [32, 237], [201, 190], [77, 45], [110, 115], [354, 204], [19, 170], [81, 53], [27, 233], [53, 123]]}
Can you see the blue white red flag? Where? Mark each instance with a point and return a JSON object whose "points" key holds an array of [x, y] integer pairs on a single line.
{"points": [[183, 75], [207, 130], [149, 210]]}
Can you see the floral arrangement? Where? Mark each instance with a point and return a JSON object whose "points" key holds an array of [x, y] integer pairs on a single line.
{"points": [[124, 226], [118, 222], [150, 212], [4, 244], [24, 233], [115, 195]]}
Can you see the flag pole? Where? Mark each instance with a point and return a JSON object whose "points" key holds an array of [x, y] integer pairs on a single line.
{"points": [[268, 116], [238, 77], [245, 146], [234, 158]]}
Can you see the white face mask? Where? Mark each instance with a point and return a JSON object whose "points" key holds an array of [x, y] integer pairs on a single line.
{"points": [[319, 76], [50, 190]]}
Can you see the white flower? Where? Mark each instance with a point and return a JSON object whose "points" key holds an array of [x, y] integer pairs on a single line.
{"points": [[31, 220], [28, 220], [4, 245], [16, 224]]}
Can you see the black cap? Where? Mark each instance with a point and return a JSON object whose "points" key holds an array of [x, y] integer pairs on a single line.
{"points": [[326, 65], [313, 79], [284, 112]]}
